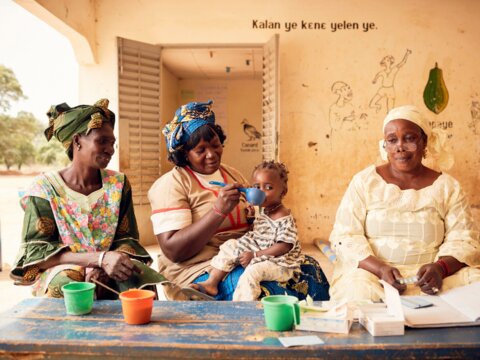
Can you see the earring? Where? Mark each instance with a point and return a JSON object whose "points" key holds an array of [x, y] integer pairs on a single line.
{"points": [[78, 147]]}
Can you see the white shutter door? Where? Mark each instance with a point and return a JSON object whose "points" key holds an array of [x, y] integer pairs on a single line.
{"points": [[270, 99], [139, 67]]}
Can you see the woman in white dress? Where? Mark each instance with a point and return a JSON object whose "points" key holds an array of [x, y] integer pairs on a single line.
{"points": [[404, 220]]}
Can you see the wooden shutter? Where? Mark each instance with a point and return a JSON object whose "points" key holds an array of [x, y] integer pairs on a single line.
{"points": [[270, 99], [139, 66]]}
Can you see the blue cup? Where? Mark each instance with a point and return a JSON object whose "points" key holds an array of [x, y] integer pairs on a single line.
{"points": [[254, 196]]}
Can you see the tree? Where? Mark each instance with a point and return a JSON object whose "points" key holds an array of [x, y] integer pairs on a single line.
{"points": [[27, 128], [16, 139], [52, 153], [22, 135], [6, 141], [10, 89], [25, 154]]}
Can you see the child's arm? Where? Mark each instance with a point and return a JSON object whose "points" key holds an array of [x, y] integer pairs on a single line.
{"points": [[275, 250]]}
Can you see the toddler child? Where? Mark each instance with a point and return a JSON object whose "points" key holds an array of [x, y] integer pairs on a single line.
{"points": [[269, 252]]}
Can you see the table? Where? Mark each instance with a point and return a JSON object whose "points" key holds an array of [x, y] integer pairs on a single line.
{"points": [[40, 328]]}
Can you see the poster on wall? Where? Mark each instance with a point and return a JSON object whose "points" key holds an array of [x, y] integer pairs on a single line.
{"points": [[218, 93], [252, 137]]}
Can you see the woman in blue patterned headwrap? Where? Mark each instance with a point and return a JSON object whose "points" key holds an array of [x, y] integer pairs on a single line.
{"points": [[192, 218]]}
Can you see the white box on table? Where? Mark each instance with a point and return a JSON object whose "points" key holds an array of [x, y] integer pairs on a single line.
{"points": [[384, 319], [337, 319]]}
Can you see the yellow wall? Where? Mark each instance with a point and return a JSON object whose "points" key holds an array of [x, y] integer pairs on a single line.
{"points": [[169, 103], [322, 161], [242, 100]]}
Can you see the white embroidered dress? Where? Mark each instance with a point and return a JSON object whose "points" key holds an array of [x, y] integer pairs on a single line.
{"points": [[405, 228]]}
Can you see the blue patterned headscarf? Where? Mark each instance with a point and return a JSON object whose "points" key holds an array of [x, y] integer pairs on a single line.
{"points": [[188, 118]]}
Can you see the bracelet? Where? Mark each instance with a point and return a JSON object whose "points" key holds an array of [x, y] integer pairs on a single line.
{"points": [[445, 268], [218, 212], [100, 258]]}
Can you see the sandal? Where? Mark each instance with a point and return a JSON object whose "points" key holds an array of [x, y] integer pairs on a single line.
{"points": [[197, 295], [175, 293]]}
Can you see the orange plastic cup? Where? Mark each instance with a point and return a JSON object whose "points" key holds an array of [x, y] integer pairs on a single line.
{"points": [[137, 306]]}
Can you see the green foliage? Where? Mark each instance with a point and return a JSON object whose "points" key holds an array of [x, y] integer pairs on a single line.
{"points": [[51, 153], [16, 139], [21, 137], [10, 89]]}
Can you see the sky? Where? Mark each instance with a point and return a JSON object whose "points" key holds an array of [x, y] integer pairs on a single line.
{"points": [[41, 58]]}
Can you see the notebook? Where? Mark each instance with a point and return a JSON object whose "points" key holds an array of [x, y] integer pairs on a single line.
{"points": [[455, 307]]}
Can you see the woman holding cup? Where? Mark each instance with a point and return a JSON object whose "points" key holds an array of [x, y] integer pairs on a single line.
{"points": [[192, 217]]}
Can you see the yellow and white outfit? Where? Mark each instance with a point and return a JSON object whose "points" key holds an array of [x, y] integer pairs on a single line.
{"points": [[404, 228]]}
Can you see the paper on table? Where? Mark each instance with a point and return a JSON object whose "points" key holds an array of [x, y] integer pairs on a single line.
{"points": [[455, 307], [468, 297], [300, 340]]}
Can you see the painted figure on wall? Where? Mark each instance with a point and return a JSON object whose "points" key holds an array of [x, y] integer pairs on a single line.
{"points": [[474, 125], [252, 133], [386, 92], [435, 94], [342, 113]]}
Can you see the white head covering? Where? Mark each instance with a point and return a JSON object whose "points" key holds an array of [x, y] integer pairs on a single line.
{"points": [[437, 138]]}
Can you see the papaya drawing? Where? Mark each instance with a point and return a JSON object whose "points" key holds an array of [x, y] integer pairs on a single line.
{"points": [[435, 94]]}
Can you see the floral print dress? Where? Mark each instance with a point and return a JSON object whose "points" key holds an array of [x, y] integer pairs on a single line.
{"points": [[58, 218]]}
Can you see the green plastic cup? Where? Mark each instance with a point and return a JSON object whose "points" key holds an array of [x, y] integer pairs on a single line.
{"points": [[282, 312], [78, 297]]}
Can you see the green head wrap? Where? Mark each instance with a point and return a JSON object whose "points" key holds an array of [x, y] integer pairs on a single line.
{"points": [[64, 121]]}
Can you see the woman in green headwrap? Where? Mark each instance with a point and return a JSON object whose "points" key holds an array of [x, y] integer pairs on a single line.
{"points": [[79, 222]]}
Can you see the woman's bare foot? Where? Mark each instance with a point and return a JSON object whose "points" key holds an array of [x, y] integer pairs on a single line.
{"points": [[205, 287]]}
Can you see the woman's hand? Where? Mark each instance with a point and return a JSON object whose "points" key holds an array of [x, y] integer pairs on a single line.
{"points": [[250, 214], [430, 278], [100, 275], [391, 275], [118, 265], [383, 271], [228, 198], [245, 258]]}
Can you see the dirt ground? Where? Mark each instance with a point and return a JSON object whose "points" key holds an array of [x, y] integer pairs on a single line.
{"points": [[11, 218], [11, 215]]}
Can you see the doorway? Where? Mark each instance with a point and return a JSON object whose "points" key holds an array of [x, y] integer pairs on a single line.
{"points": [[232, 78], [154, 80]]}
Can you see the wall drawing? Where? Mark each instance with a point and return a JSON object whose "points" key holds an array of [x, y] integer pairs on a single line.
{"points": [[435, 94], [342, 115], [385, 94], [250, 131], [474, 124], [341, 112], [253, 136]]}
